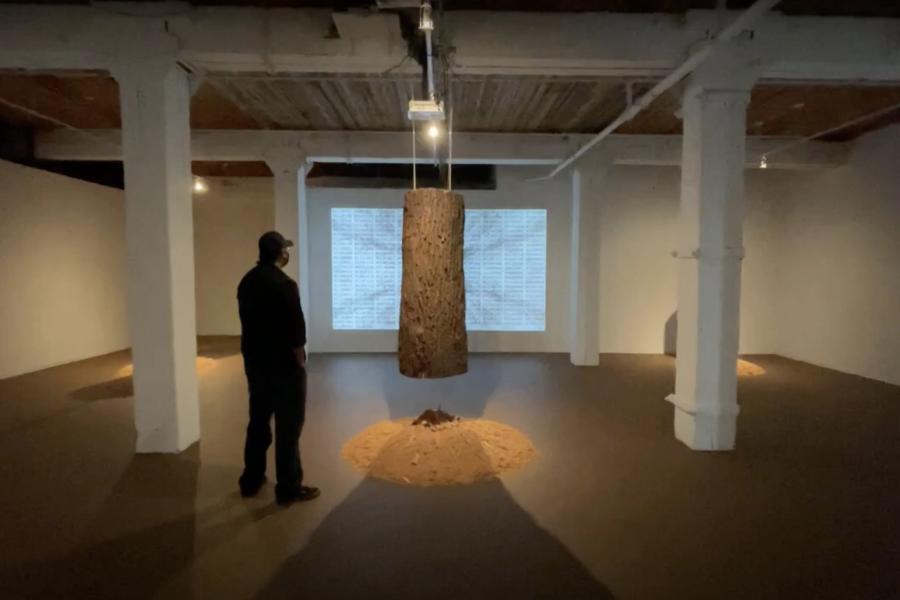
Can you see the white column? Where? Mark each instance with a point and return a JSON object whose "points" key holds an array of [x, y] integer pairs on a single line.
{"points": [[709, 254], [291, 218], [155, 101], [584, 306]]}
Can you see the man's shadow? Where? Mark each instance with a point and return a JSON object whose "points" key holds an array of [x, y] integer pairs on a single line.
{"points": [[392, 541], [114, 389], [464, 395]]}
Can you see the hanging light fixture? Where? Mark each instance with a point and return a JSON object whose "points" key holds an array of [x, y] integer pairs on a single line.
{"points": [[430, 109]]}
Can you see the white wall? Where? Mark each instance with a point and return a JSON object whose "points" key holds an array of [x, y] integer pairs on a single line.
{"points": [[63, 270], [228, 221], [638, 226], [839, 271], [512, 192]]}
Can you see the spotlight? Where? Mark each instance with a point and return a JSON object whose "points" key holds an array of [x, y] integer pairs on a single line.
{"points": [[763, 163], [433, 132], [200, 186]]}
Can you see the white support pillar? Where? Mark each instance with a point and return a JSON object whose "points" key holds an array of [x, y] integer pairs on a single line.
{"points": [[289, 169], [584, 308], [709, 254], [155, 100]]}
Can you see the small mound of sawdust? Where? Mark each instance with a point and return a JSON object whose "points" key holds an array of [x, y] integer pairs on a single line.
{"points": [[748, 369], [457, 452], [430, 418], [203, 364]]}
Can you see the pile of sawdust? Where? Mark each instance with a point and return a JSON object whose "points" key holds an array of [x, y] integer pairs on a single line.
{"points": [[748, 369], [203, 364], [457, 452]]}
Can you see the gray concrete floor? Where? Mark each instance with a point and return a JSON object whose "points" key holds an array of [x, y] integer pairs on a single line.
{"points": [[807, 507]]}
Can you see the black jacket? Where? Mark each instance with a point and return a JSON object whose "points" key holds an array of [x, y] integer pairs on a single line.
{"points": [[272, 323]]}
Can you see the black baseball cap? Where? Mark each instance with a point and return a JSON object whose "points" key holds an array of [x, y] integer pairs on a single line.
{"points": [[271, 245]]}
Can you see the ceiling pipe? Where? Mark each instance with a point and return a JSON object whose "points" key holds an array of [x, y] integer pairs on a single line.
{"points": [[695, 60], [426, 24], [763, 158]]}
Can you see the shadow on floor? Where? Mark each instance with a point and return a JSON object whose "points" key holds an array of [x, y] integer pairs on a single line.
{"points": [[464, 395], [467, 542], [670, 335], [218, 346], [107, 390], [140, 564], [214, 347]]}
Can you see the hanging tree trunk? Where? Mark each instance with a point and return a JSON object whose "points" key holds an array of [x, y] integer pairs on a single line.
{"points": [[432, 340]]}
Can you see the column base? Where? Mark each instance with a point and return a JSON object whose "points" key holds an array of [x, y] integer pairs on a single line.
{"points": [[166, 441], [165, 434], [584, 361], [705, 430]]}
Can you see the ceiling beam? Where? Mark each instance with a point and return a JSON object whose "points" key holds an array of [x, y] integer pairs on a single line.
{"points": [[782, 48], [468, 148], [254, 40]]}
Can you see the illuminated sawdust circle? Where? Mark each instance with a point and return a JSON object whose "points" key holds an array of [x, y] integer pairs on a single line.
{"points": [[461, 452], [748, 369], [203, 364]]}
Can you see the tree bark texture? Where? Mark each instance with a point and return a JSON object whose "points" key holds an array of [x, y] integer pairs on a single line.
{"points": [[432, 342]]}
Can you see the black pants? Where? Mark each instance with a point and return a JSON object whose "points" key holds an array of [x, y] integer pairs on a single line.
{"points": [[283, 395]]}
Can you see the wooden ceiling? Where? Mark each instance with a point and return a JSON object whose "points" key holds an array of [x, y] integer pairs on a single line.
{"points": [[861, 8], [486, 104]]}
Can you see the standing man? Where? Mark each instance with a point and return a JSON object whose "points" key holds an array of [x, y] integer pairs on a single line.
{"points": [[273, 340]]}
